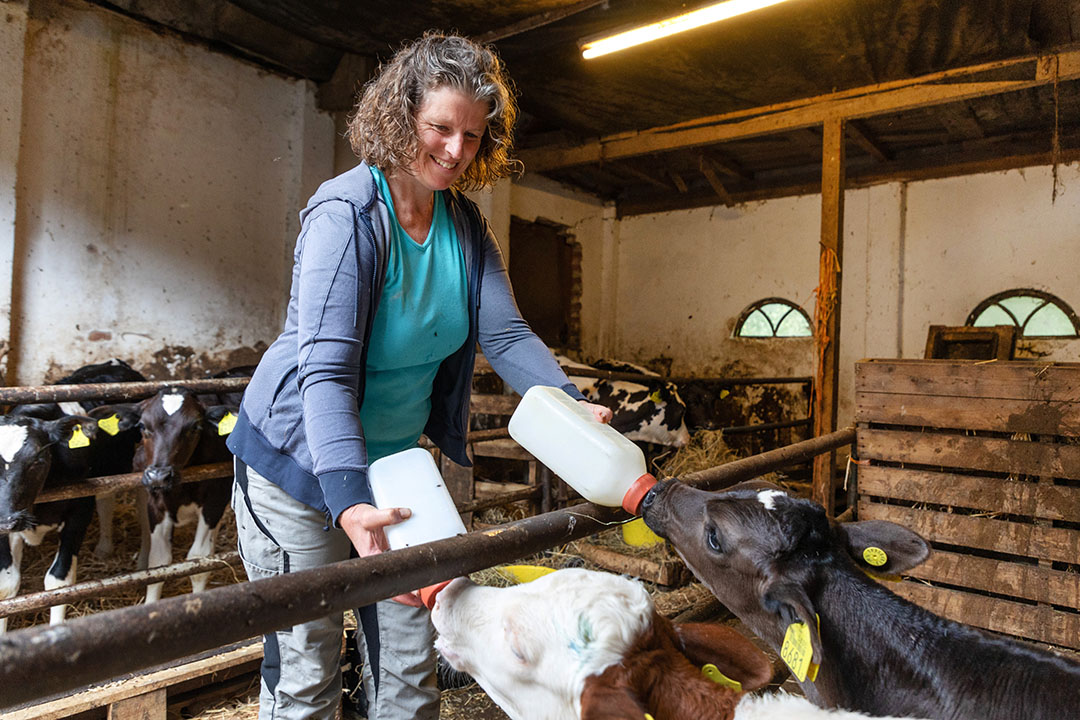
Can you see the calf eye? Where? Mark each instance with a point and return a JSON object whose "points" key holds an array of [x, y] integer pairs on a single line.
{"points": [[712, 537]]}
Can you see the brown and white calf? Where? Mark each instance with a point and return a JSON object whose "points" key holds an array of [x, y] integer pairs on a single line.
{"points": [[178, 431], [775, 560], [36, 454], [581, 644]]}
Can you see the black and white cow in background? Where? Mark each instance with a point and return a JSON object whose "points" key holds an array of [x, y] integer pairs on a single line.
{"points": [[36, 454], [177, 431], [651, 413], [115, 449]]}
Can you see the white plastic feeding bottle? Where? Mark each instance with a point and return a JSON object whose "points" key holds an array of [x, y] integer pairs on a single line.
{"points": [[411, 479], [593, 458]]}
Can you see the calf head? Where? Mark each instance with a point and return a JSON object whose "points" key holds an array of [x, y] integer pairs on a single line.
{"points": [[30, 450], [172, 423], [576, 643], [766, 554]]}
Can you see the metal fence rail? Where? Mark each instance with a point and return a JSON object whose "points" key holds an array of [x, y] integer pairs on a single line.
{"points": [[43, 661]]}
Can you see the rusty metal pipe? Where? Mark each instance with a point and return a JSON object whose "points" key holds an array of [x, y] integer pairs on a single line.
{"points": [[115, 585], [126, 481], [114, 392], [42, 661]]}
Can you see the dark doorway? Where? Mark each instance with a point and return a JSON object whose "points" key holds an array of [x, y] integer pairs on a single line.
{"points": [[545, 269]]}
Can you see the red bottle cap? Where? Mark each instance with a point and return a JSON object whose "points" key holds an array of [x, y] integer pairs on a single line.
{"points": [[632, 499], [427, 594]]}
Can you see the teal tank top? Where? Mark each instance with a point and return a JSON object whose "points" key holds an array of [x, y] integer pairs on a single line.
{"points": [[422, 319]]}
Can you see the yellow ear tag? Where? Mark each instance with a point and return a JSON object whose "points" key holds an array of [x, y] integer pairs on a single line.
{"points": [[713, 673], [226, 424], [78, 438], [798, 652], [724, 394], [655, 396], [110, 424], [648, 716], [875, 556]]}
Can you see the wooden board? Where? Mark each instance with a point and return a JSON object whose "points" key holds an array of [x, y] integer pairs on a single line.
{"points": [[991, 494], [1015, 380], [666, 572], [249, 653], [1040, 623], [505, 448], [982, 533], [967, 413], [1003, 577], [975, 453]]}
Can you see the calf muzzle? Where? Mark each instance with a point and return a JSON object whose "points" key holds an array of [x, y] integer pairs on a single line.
{"points": [[649, 503], [18, 521], [158, 477]]}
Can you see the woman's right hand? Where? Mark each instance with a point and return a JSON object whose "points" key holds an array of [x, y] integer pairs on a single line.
{"points": [[364, 525]]}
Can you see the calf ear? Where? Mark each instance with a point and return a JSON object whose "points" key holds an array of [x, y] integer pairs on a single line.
{"points": [[882, 547], [609, 696], [790, 603], [63, 430], [726, 648], [126, 415]]}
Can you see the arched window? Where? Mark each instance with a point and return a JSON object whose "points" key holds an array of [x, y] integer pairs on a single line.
{"points": [[1036, 313], [773, 317]]}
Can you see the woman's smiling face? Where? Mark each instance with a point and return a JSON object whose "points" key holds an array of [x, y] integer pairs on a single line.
{"points": [[449, 126]]}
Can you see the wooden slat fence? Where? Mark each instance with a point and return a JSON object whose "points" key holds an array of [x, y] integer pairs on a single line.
{"points": [[983, 460]]}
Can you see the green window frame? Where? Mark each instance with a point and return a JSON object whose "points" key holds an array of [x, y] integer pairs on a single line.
{"points": [[773, 317], [1036, 313]]}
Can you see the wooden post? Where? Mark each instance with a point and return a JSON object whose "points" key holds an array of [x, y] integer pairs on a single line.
{"points": [[459, 481], [827, 312]]}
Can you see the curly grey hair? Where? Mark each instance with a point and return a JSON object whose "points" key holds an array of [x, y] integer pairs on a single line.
{"points": [[382, 129]]}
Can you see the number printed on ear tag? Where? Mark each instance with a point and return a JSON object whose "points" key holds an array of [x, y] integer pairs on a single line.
{"points": [[798, 652]]}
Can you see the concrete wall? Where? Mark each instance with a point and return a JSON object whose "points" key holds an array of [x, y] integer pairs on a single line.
{"points": [[12, 32], [158, 189]]}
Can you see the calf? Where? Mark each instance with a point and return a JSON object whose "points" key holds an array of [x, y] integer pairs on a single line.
{"points": [[776, 560], [176, 431], [652, 413], [36, 454], [115, 448], [582, 644]]}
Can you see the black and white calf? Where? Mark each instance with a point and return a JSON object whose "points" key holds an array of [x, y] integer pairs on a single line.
{"points": [[115, 449], [178, 431], [36, 454], [646, 413]]}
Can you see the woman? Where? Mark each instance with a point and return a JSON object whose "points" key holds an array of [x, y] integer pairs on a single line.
{"points": [[396, 278]]}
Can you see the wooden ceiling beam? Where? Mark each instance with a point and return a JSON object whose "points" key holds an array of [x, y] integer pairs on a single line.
{"points": [[642, 175], [858, 133], [707, 169], [959, 163], [727, 165], [959, 120], [926, 91], [680, 184], [536, 21]]}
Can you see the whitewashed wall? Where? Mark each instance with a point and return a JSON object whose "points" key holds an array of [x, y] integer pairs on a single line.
{"points": [[12, 32], [158, 189]]}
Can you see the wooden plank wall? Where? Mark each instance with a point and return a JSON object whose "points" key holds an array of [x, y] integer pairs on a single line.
{"points": [[983, 460]]}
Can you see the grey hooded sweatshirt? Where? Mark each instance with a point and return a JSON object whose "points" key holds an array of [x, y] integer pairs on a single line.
{"points": [[299, 423]]}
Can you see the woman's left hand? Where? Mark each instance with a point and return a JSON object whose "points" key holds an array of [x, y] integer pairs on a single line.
{"points": [[601, 413]]}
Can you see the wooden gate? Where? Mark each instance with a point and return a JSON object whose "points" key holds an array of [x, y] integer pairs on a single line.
{"points": [[983, 460]]}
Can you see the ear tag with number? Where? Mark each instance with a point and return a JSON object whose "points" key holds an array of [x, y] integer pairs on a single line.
{"points": [[78, 438], [798, 652], [110, 424], [713, 673], [875, 556], [226, 424]]}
